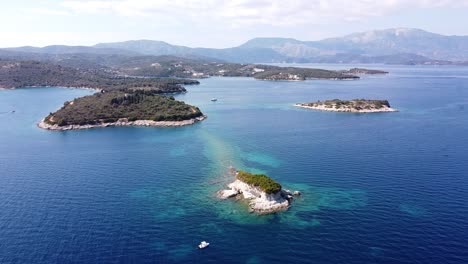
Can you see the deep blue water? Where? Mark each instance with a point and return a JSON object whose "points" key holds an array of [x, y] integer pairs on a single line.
{"points": [[378, 188]]}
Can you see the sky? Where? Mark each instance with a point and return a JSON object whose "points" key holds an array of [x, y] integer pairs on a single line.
{"points": [[217, 23]]}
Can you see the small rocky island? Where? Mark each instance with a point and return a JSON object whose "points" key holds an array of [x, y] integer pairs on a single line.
{"points": [[263, 194], [362, 71], [351, 106], [122, 108]]}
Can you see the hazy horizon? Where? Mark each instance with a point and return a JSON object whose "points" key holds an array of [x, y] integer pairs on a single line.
{"points": [[182, 44], [216, 24]]}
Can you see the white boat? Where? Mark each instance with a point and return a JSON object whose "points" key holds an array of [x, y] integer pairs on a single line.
{"points": [[214, 99], [203, 245]]}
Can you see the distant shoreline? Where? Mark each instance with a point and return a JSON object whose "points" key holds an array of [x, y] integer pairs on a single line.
{"points": [[123, 122], [41, 86]]}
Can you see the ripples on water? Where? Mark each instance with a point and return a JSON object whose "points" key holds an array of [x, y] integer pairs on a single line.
{"points": [[384, 188]]}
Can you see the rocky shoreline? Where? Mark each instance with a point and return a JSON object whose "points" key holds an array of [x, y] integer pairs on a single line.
{"points": [[259, 201], [348, 110], [350, 106], [123, 122]]}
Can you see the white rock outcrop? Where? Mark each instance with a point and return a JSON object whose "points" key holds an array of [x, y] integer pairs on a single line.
{"points": [[124, 122], [259, 201]]}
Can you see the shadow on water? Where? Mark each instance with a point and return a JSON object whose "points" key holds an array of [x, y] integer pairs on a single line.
{"points": [[413, 210], [261, 159], [316, 199]]}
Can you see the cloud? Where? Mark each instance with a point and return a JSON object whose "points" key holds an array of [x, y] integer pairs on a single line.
{"points": [[49, 11], [248, 12]]}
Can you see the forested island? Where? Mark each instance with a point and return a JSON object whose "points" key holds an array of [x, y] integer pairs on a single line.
{"points": [[169, 66], [301, 74], [263, 194], [122, 108], [352, 106], [129, 85], [115, 72], [18, 74]]}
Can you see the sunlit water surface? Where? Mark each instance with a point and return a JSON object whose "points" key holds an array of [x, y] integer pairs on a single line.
{"points": [[378, 188]]}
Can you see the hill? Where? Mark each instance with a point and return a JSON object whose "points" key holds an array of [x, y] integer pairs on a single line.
{"points": [[104, 109]]}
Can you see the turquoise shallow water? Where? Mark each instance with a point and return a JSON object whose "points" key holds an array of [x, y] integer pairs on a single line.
{"points": [[380, 188]]}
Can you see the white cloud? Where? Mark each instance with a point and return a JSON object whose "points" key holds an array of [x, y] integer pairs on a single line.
{"points": [[48, 11], [247, 12]]}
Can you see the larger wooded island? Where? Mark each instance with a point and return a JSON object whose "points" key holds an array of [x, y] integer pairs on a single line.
{"points": [[18, 74], [156, 73], [122, 108]]}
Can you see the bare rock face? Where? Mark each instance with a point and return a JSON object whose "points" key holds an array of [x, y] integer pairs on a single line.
{"points": [[259, 201], [225, 194]]}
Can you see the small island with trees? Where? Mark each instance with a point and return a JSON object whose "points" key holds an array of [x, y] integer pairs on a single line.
{"points": [[362, 71], [122, 108], [263, 194], [350, 106]]}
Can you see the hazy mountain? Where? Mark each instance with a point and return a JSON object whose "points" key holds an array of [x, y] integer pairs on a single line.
{"points": [[242, 55], [237, 54], [269, 42], [63, 49], [147, 47], [373, 43], [400, 40], [397, 46]]}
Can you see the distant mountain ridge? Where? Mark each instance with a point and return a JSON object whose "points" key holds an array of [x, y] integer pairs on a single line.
{"points": [[396, 46], [63, 49]]}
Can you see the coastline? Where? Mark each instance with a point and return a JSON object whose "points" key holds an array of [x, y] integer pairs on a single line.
{"points": [[123, 122], [259, 202], [66, 87], [348, 110], [307, 79]]}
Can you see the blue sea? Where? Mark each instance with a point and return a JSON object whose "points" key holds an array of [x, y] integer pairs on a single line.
{"points": [[377, 188]]}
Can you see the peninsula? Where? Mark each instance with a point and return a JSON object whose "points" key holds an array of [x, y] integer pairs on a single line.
{"points": [[163, 72], [351, 106], [300, 74], [22, 74], [122, 108], [263, 194]]}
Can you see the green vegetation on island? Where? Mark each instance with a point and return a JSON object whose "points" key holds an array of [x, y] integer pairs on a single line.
{"points": [[360, 71], [111, 72], [16, 74], [356, 105], [300, 74], [265, 183], [170, 66], [108, 107]]}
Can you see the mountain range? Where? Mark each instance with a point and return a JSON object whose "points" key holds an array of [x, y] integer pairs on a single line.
{"points": [[394, 46]]}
